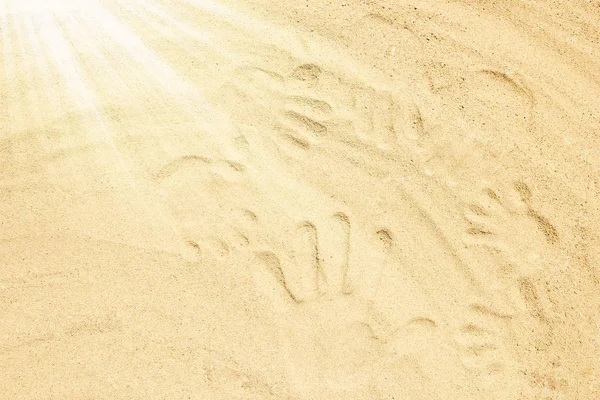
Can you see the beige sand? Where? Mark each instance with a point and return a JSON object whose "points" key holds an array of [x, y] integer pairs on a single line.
{"points": [[299, 199]]}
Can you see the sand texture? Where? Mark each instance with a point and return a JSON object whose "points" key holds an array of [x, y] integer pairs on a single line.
{"points": [[300, 199]]}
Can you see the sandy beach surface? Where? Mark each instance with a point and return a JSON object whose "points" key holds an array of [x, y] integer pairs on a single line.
{"points": [[300, 199]]}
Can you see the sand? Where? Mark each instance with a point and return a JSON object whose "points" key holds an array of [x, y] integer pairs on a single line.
{"points": [[302, 199]]}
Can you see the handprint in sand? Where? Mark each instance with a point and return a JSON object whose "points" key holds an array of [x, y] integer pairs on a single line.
{"points": [[507, 224], [310, 105], [325, 316]]}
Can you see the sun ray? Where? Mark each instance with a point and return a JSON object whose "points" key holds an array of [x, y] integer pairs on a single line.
{"points": [[172, 27], [9, 67], [47, 90], [116, 79], [41, 53], [63, 57], [216, 123]]}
